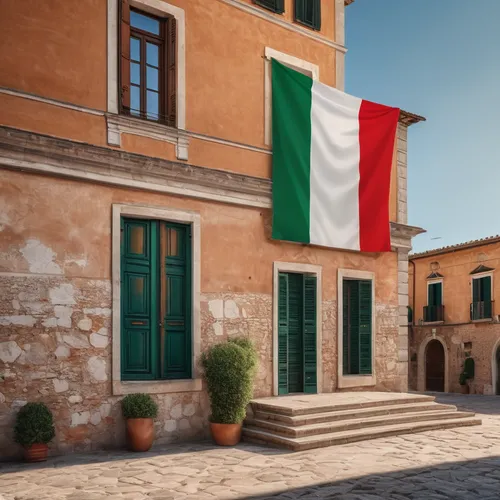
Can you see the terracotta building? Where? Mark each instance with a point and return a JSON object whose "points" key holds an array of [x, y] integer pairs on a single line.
{"points": [[453, 315], [135, 213]]}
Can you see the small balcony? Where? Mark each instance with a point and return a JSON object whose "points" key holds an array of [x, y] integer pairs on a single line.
{"points": [[481, 310], [433, 314]]}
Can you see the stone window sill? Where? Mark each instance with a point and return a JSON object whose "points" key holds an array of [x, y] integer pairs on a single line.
{"points": [[429, 323], [157, 386], [118, 124], [351, 381], [483, 320]]}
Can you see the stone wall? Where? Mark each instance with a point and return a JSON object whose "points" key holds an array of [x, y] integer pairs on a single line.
{"points": [[480, 340]]}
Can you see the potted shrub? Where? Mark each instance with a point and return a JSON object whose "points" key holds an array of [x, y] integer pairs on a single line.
{"points": [[229, 371], [139, 410], [34, 429], [462, 380]]}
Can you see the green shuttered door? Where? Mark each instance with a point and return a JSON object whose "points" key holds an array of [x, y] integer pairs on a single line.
{"points": [[155, 300], [296, 334], [357, 327]]}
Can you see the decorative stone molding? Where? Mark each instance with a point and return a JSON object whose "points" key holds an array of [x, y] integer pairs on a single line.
{"points": [[353, 381], [340, 39], [403, 302], [31, 152], [118, 124], [171, 215]]}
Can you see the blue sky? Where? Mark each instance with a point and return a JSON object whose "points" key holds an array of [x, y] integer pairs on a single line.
{"points": [[439, 59]]}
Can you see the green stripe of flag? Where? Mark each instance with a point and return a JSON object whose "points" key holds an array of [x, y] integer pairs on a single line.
{"points": [[291, 119]]}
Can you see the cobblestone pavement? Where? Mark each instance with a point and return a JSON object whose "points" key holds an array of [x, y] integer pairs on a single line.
{"points": [[459, 464]]}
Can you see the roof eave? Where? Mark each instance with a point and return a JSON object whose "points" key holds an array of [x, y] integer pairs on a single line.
{"points": [[407, 118]]}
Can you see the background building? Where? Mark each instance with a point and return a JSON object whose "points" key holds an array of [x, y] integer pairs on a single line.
{"points": [[453, 293]]}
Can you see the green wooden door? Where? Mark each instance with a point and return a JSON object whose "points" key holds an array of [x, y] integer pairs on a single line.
{"points": [[177, 296], [297, 371], [139, 304]]}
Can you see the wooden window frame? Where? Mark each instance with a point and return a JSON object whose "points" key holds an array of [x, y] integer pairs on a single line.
{"points": [[276, 6], [299, 14], [167, 65]]}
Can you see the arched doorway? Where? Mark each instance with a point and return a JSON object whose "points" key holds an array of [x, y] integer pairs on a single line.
{"points": [[434, 366]]}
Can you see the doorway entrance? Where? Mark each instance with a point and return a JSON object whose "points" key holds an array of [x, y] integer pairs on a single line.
{"points": [[297, 333], [434, 366]]}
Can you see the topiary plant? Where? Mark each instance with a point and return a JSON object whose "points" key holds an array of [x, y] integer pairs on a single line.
{"points": [[34, 425], [139, 406], [462, 378], [229, 370], [469, 366]]}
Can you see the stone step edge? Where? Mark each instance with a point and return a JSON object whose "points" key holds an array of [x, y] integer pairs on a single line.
{"points": [[276, 408], [332, 416], [353, 424], [324, 440]]}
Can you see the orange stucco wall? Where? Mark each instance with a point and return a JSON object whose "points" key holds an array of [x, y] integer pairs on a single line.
{"points": [[457, 281], [59, 52], [240, 234]]}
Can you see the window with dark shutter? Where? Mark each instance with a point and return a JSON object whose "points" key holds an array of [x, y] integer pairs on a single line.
{"points": [[357, 327], [155, 300], [308, 13], [277, 6], [148, 71]]}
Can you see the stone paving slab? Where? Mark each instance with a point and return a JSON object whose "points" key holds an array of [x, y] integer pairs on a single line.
{"points": [[462, 464]]}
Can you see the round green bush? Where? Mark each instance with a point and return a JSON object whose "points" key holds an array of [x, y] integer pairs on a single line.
{"points": [[34, 425], [469, 366], [462, 378], [229, 370], [139, 406]]}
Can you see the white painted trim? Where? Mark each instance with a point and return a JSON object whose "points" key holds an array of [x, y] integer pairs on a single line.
{"points": [[421, 375], [293, 267], [259, 12], [51, 102], [172, 215], [351, 381], [494, 367], [158, 8], [305, 67]]}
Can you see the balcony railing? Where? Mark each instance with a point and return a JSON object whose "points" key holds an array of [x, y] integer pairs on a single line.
{"points": [[433, 313], [481, 310]]}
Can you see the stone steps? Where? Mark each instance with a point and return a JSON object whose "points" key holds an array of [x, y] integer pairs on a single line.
{"points": [[259, 436], [303, 422], [331, 416], [353, 423]]}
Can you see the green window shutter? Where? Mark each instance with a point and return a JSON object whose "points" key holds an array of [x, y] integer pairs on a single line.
{"points": [[282, 333], [139, 307], [476, 290], [277, 6], [308, 12], [350, 354], [365, 327], [295, 333], [435, 294], [310, 369], [176, 338], [486, 296]]}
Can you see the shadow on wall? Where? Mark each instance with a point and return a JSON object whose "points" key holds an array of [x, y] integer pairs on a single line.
{"points": [[474, 480]]}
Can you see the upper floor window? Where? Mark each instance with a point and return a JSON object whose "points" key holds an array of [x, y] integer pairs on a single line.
{"points": [[482, 305], [277, 6], [148, 65], [434, 311], [308, 13]]}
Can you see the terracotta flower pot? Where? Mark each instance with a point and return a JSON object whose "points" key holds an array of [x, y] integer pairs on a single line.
{"points": [[464, 389], [36, 452], [226, 434], [140, 433]]}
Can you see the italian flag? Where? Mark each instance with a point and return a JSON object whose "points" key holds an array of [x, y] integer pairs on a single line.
{"points": [[332, 159]]}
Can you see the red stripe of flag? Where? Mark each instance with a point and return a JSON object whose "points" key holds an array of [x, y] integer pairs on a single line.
{"points": [[377, 133]]}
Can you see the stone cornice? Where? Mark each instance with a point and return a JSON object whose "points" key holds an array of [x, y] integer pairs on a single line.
{"points": [[30, 152]]}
